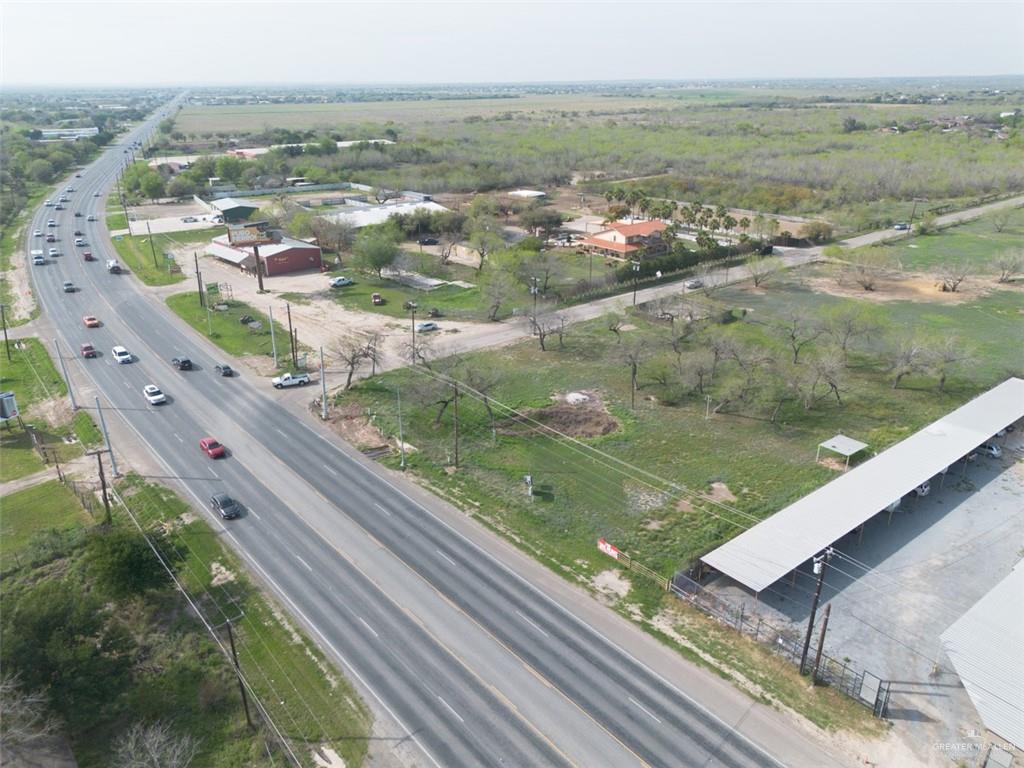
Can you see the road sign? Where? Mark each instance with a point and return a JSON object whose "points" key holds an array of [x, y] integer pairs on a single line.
{"points": [[609, 549], [213, 289]]}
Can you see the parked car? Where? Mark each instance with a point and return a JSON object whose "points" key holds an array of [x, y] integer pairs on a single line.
{"points": [[211, 447], [68, 287], [88, 350], [91, 321], [223, 370], [121, 355], [181, 363], [427, 327], [923, 489], [290, 380], [189, 219], [902, 226], [153, 394], [427, 241], [377, 299], [692, 284], [991, 450], [340, 282], [225, 506]]}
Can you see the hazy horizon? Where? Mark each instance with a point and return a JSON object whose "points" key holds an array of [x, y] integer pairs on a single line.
{"points": [[101, 45]]}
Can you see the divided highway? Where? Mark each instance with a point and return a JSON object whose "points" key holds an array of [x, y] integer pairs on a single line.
{"points": [[474, 664]]}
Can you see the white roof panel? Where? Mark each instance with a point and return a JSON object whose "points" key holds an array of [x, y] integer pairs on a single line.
{"points": [[378, 214], [762, 555], [843, 445], [984, 646]]}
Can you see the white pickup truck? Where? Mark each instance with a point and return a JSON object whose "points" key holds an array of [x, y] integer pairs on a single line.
{"points": [[290, 380]]}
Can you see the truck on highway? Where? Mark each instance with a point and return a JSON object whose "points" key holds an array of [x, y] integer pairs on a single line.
{"points": [[290, 380], [113, 267]]}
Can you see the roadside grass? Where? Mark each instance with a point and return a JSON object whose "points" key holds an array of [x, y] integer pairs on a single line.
{"points": [[30, 374], [43, 507], [228, 333], [976, 243], [303, 692], [11, 238], [451, 300], [17, 457], [137, 253], [116, 221], [86, 430]]}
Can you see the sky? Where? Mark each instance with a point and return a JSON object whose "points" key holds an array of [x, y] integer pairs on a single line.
{"points": [[218, 43]]}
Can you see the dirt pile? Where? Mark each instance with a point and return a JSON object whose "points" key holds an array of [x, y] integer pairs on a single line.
{"points": [[575, 414]]}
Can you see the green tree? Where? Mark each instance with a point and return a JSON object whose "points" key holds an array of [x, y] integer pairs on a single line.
{"points": [[152, 185], [121, 563], [40, 170], [230, 168], [375, 251], [545, 219]]}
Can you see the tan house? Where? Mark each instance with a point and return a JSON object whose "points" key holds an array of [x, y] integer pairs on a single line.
{"points": [[626, 240]]}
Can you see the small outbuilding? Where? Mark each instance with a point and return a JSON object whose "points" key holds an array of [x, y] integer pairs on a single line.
{"points": [[233, 209]]}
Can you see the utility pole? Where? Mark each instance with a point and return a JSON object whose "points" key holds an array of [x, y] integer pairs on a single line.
{"points": [[103, 483], [295, 347], [259, 267], [106, 438], [820, 566], [636, 278], [64, 369], [291, 333], [401, 436], [273, 341], [238, 674], [533, 290], [821, 643], [456, 404], [412, 310], [3, 320], [152, 248], [199, 279], [323, 387]]}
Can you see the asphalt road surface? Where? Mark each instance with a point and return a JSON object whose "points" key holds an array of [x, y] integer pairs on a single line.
{"points": [[473, 663]]}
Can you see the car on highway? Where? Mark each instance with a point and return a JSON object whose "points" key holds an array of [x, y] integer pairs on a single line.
{"points": [[48, 203], [95, 194], [223, 369], [78, 233], [63, 199], [91, 321], [38, 258], [90, 217], [53, 252], [991, 450], [37, 233], [88, 350], [225, 506], [427, 327], [87, 256], [212, 448], [59, 207], [51, 238], [341, 282], [80, 242], [695, 283], [121, 355], [153, 394], [51, 222], [68, 286], [78, 214], [181, 363]]}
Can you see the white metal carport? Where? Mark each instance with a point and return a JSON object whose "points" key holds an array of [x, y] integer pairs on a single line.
{"points": [[762, 555]]}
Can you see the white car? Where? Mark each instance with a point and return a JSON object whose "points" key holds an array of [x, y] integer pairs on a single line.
{"points": [[153, 394], [990, 449], [691, 284], [53, 252], [90, 217], [37, 233], [427, 327], [121, 355], [341, 282]]}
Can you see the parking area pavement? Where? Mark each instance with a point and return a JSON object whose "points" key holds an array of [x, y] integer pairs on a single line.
{"points": [[894, 589]]}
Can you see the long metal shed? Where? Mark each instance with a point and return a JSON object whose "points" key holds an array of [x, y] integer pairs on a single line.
{"points": [[765, 553], [984, 646]]}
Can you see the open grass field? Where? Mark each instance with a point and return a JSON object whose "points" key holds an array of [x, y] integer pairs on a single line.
{"points": [[137, 254], [43, 507], [977, 243], [227, 332]]}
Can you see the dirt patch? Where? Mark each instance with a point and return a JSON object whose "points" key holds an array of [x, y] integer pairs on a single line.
{"points": [[909, 287], [351, 423], [55, 411], [611, 583], [832, 463], [643, 499], [19, 289], [684, 506], [325, 757], [573, 416], [721, 492], [260, 364], [654, 525], [221, 575]]}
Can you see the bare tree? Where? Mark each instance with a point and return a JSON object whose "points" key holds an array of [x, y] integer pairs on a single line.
{"points": [[382, 195], [1009, 264], [614, 322], [846, 324], [906, 355], [952, 274], [498, 288], [154, 746], [799, 329], [549, 324], [822, 375], [866, 266], [1001, 218], [762, 269], [634, 355], [24, 720], [944, 357], [353, 353], [373, 351]]}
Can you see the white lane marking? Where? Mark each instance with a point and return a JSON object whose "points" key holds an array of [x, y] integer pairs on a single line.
{"points": [[282, 434], [213, 473], [367, 626], [644, 709], [178, 438], [382, 509], [442, 554], [449, 706], [333, 472], [254, 514], [532, 624], [308, 568]]}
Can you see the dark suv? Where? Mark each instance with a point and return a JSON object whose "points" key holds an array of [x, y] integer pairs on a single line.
{"points": [[182, 363], [225, 506]]}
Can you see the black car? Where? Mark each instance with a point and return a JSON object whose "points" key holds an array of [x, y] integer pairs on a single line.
{"points": [[224, 370], [182, 363], [428, 241], [225, 506]]}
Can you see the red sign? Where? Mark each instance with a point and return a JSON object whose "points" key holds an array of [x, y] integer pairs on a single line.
{"points": [[609, 549]]}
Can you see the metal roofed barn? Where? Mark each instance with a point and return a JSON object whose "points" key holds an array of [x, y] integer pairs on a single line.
{"points": [[762, 555]]}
